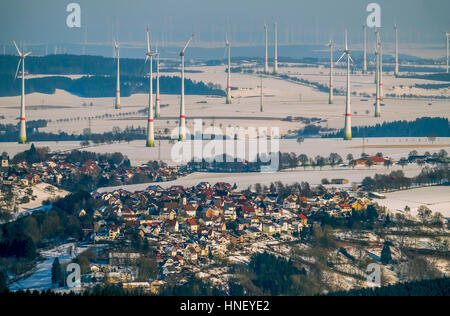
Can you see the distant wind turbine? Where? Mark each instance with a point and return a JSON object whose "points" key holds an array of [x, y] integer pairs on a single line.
{"points": [[150, 123], [330, 45], [378, 96], [158, 101], [275, 64], [182, 131], [228, 44], [348, 115], [396, 71], [117, 103], [22, 131], [266, 59], [365, 50]]}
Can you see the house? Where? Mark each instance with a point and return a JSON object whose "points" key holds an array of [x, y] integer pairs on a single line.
{"points": [[191, 225], [290, 203], [374, 160], [303, 220], [191, 254], [113, 232]]}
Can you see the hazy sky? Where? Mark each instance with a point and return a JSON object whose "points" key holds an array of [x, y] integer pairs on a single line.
{"points": [[300, 21]]}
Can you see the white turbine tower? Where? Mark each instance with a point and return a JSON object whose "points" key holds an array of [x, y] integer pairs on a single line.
{"points": [[182, 129], [227, 43], [150, 122], [365, 50], [275, 64], [378, 96], [447, 37], [396, 72], [261, 104], [23, 130], [117, 103], [348, 115], [158, 101], [266, 59], [330, 45]]}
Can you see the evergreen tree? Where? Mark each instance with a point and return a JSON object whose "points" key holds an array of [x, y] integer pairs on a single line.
{"points": [[57, 274], [386, 256]]}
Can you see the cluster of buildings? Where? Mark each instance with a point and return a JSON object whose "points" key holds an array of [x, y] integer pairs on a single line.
{"points": [[191, 226]]}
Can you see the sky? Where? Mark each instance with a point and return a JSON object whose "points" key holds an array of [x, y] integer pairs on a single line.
{"points": [[172, 21]]}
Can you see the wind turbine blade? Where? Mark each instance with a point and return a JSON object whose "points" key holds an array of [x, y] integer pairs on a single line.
{"points": [[18, 51], [341, 57], [351, 59], [27, 54], [17, 71], [187, 43], [148, 41]]}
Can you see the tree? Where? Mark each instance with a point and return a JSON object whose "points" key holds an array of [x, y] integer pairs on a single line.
{"points": [[424, 213], [386, 256], [403, 162], [57, 273], [3, 282], [303, 159], [350, 158]]}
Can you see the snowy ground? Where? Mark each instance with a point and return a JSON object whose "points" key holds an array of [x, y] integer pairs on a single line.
{"points": [[395, 148], [244, 180], [282, 99], [41, 278], [436, 199]]}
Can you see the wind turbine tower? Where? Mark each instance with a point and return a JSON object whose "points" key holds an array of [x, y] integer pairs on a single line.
{"points": [[266, 60], [396, 73], [447, 36], [261, 104], [378, 97], [150, 123], [158, 101], [22, 130], [182, 129], [275, 65], [365, 50], [348, 115], [228, 44], [117, 103], [330, 45]]}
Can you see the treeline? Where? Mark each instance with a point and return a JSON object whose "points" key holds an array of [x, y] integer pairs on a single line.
{"points": [[80, 65], [104, 86], [436, 287], [421, 127], [9, 133], [396, 180], [435, 77]]}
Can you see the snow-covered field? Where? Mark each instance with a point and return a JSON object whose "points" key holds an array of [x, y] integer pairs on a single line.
{"points": [[244, 180], [436, 199], [41, 278], [395, 148], [282, 99]]}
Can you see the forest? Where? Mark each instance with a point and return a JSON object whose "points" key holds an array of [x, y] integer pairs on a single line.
{"points": [[103, 86], [421, 127]]}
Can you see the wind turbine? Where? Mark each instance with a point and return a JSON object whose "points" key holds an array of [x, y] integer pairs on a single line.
{"points": [[117, 103], [275, 65], [348, 115], [447, 36], [365, 50], [182, 131], [150, 123], [158, 101], [228, 44], [23, 130], [266, 60], [378, 97], [330, 45], [396, 72]]}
